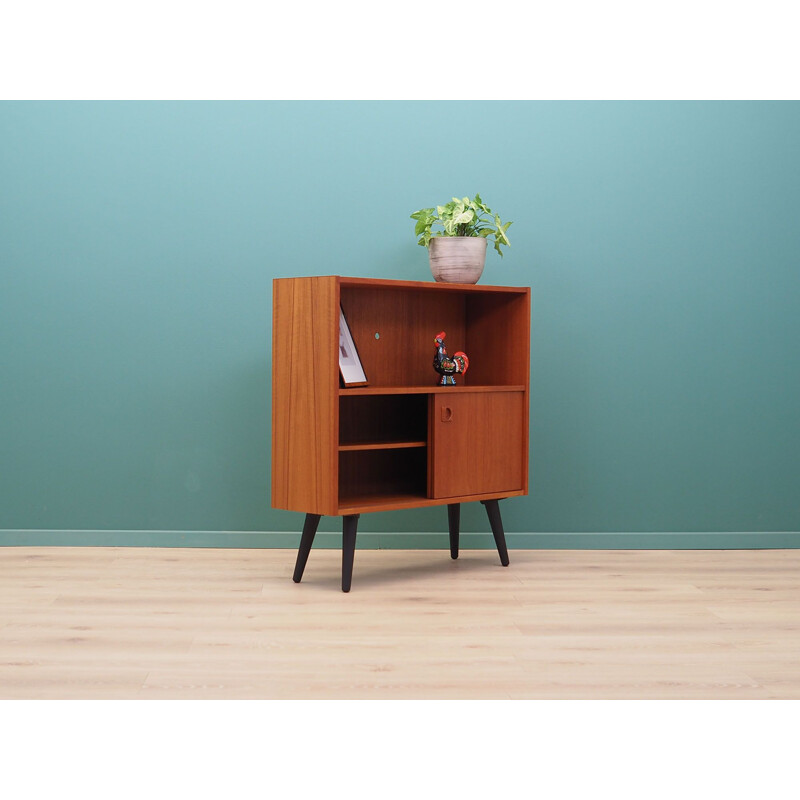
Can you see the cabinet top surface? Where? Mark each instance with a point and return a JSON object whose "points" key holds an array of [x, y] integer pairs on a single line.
{"points": [[346, 281]]}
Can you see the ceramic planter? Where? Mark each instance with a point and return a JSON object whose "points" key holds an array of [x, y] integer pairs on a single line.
{"points": [[457, 259]]}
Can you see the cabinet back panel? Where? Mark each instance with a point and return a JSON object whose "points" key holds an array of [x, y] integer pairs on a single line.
{"points": [[383, 418]]}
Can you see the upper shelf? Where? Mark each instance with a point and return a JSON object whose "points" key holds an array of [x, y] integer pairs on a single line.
{"points": [[393, 325]]}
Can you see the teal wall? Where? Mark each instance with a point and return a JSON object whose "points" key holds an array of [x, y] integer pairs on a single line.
{"points": [[138, 243]]}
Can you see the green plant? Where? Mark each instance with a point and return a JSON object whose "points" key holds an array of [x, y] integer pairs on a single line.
{"points": [[461, 217]]}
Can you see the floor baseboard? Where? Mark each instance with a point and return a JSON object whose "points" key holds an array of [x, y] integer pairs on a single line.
{"points": [[716, 540]]}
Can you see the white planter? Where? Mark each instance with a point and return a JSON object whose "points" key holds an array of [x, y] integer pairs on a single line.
{"points": [[457, 259]]}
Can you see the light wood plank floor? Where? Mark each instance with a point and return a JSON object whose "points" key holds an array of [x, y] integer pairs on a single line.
{"points": [[201, 623]]}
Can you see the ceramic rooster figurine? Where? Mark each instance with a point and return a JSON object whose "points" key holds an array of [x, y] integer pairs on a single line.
{"points": [[445, 365]]}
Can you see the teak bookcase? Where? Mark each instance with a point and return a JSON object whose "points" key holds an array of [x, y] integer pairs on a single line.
{"points": [[402, 441]]}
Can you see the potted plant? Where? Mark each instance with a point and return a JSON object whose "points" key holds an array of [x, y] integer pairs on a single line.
{"points": [[458, 252]]}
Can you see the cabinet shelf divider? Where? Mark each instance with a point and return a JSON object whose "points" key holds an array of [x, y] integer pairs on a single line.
{"points": [[381, 445], [375, 390]]}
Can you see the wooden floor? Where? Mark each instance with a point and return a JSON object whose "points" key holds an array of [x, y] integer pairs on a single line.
{"points": [[203, 623]]}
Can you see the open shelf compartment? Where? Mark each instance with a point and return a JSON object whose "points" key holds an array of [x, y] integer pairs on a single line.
{"points": [[376, 476], [394, 327], [383, 421]]}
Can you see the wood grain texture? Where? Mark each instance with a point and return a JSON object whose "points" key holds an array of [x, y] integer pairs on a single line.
{"points": [[305, 386], [476, 443], [200, 623]]}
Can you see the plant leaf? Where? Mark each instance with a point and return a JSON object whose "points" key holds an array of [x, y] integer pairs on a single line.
{"points": [[461, 217]]}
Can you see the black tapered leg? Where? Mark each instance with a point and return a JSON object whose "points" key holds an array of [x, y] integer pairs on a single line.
{"points": [[453, 521], [349, 526], [493, 512], [306, 540]]}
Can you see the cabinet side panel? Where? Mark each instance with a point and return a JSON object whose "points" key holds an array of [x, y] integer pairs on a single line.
{"points": [[526, 414], [305, 382]]}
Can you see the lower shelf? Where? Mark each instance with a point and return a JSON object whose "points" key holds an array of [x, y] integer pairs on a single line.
{"points": [[390, 445], [365, 504]]}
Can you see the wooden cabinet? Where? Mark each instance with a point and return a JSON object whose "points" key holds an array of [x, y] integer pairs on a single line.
{"points": [[401, 441]]}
